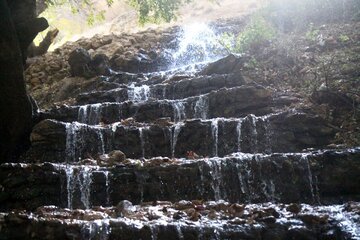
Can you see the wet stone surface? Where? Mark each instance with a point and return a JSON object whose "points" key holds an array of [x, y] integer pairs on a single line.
{"points": [[123, 156], [327, 177], [54, 141], [187, 220]]}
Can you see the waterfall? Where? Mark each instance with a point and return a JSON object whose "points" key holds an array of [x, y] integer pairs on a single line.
{"points": [[215, 172], [71, 145], [142, 140], [254, 133], [83, 114], [81, 178], [201, 107], [154, 232], [138, 93], [90, 114], [101, 138], [197, 43], [179, 232], [179, 110], [238, 133], [107, 185], [312, 186], [267, 135], [174, 136], [98, 229], [94, 114], [84, 185], [215, 135], [69, 171]]}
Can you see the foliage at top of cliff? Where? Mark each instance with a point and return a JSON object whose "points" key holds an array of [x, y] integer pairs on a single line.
{"points": [[148, 10]]}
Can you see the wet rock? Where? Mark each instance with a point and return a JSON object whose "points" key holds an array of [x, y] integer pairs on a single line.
{"points": [[297, 178], [134, 62], [337, 100], [294, 208], [88, 161], [117, 156], [312, 219], [178, 215], [100, 65], [79, 61], [124, 208], [236, 210], [268, 220], [182, 205], [229, 64]]}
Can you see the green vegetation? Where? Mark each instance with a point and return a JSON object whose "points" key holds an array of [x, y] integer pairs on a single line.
{"points": [[257, 33], [82, 6], [312, 33], [344, 38], [154, 11], [157, 10]]}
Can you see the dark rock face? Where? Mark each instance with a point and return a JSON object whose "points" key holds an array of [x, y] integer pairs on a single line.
{"points": [[79, 61], [151, 140], [226, 102], [250, 223], [141, 62], [100, 64], [82, 65], [286, 132], [172, 90], [229, 64], [18, 28], [312, 177]]}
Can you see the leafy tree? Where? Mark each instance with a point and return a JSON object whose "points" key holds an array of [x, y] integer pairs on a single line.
{"points": [[154, 11], [157, 10]]}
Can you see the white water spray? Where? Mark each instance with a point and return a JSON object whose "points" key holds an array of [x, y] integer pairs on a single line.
{"points": [[138, 93], [174, 136], [198, 43], [201, 107], [215, 135]]}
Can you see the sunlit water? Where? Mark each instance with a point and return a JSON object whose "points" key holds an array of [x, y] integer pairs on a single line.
{"points": [[198, 42]]}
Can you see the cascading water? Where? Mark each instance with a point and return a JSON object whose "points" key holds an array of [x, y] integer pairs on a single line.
{"points": [[142, 140], [98, 229], [197, 43], [239, 177], [107, 185], [312, 186], [175, 131], [101, 138], [215, 135], [201, 107], [84, 181], [179, 110], [71, 141], [138, 93], [238, 133], [90, 114], [78, 177], [254, 133], [69, 171], [215, 172]]}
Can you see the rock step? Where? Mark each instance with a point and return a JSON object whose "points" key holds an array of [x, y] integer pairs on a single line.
{"points": [[232, 102], [186, 220], [327, 177], [54, 141], [173, 89]]}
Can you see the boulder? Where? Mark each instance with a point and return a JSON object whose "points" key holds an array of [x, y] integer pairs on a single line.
{"points": [[100, 65], [141, 61], [79, 61], [230, 64]]}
